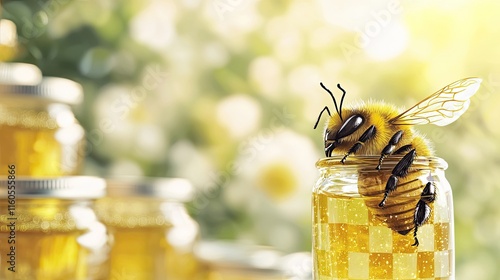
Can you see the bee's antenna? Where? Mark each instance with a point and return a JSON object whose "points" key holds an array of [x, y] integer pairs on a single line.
{"points": [[341, 100], [334, 101], [321, 113]]}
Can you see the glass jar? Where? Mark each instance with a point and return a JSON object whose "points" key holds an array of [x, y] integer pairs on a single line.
{"points": [[355, 238], [48, 229], [38, 131], [8, 39], [153, 235]]}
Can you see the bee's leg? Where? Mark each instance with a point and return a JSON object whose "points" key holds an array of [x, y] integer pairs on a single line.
{"points": [[400, 170], [389, 149], [367, 135], [402, 150], [423, 210]]}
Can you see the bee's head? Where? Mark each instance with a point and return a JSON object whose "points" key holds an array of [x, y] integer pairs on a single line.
{"points": [[334, 133], [333, 136]]}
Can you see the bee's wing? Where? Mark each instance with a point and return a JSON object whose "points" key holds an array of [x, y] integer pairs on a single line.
{"points": [[443, 107]]}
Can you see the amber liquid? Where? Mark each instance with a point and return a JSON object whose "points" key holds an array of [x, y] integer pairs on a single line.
{"points": [[242, 274], [32, 141], [350, 242], [50, 244], [145, 253], [151, 239], [45, 256], [7, 52]]}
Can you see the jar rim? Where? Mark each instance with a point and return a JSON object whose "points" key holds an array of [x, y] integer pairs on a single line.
{"points": [[175, 189], [51, 89], [354, 162], [68, 187], [15, 73], [250, 259]]}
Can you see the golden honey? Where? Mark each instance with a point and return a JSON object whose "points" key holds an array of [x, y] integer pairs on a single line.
{"points": [[55, 237], [153, 235], [38, 131], [29, 139], [352, 241]]}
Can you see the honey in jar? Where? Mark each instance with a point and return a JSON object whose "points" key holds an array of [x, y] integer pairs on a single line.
{"points": [[354, 238], [153, 235], [49, 230], [38, 130]]}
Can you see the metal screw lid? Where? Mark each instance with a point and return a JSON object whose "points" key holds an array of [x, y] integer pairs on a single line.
{"points": [[175, 189], [262, 261], [49, 89], [19, 74], [244, 258], [70, 187]]}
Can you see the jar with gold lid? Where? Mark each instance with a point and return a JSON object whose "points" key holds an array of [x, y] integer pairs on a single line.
{"points": [[153, 234], [38, 130], [48, 228]]}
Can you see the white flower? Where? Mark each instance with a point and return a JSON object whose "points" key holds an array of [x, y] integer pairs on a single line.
{"points": [[239, 114], [127, 125], [267, 74], [279, 170], [154, 26], [274, 176]]}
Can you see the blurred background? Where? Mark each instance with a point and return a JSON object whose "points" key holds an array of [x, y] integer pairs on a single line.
{"points": [[226, 92]]}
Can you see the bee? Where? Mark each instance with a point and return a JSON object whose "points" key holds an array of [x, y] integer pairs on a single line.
{"points": [[379, 129]]}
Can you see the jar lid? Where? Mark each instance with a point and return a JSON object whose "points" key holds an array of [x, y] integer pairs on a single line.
{"points": [[70, 187], [248, 259], [175, 189], [354, 162], [239, 257], [49, 89], [19, 74], [8, 33]]}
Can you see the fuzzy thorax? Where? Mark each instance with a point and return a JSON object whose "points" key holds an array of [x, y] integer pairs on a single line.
{"points": [[379, 115]]}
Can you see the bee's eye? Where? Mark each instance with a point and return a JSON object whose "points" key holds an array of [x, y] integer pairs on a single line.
{"points": [[349, 126]]}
